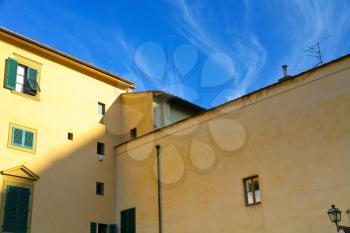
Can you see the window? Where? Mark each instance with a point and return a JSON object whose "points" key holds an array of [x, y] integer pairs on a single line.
{"points": [[22, 138], [70, 136], [112, 228], [100, 148], [93, 227], [100, 188], [128, 220], [16, 202], [101, 108], [133, 133], [252, 190], [16, 210], [102, 228], [21, 78]]}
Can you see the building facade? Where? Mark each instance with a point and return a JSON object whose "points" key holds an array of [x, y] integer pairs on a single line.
{"points": [[51, 129], [80, 151], [271, 161]]}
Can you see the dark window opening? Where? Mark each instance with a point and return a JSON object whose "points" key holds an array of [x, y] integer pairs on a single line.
{"points": [[133, 133], [102, 228], [100, 148], [100, 188], [93, 227], [112, 228], [70, 136], [128, 221], [252, 190], [101, 108]]}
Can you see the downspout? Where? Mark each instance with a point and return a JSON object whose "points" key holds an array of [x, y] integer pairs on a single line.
{"points": [[159, 191]]}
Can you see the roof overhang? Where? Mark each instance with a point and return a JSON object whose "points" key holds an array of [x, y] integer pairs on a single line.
{"points": [[64, 59]]}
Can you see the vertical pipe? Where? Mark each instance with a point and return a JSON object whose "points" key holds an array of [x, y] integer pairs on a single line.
{"points": [[159, 190]]}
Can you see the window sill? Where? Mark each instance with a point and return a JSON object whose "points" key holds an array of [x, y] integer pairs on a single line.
{"points": [[253, 204], [36, 98], [32, 151]]}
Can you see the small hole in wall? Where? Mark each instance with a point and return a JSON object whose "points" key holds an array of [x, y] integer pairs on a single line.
{"points": [[70, 136]]}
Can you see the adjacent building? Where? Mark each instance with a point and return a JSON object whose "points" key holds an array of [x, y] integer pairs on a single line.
{"points": [[271, 161], [81, 151]]}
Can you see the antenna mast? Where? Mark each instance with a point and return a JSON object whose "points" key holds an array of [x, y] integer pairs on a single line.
{"points": [[315, 52]]}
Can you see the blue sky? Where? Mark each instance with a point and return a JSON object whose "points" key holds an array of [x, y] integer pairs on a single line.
{"points": [[208, 52]]}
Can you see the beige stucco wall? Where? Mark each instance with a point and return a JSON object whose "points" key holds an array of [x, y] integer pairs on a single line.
{"points": [[294, 135], [64, 196], [177, 113], [137, 113]]}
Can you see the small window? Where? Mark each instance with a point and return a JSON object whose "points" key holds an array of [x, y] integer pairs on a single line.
{"points": [[22, 138], [101, 108], [21, 78], [70, 136], [100, 188], [100, 148], [252, 190], [133, 133]]}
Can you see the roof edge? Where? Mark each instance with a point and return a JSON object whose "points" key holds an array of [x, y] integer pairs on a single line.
{"points": [[239, 98], [171, 96], [76, 63]]}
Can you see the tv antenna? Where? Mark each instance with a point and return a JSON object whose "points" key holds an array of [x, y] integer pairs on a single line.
{"points": [[315, 51]]}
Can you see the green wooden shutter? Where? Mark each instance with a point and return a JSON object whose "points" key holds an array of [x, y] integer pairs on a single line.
{"points": [[32, 79], [22, 209], [9, 224], [11, 73], [16, 209], [93, 227], [17, 137], [28, 139], [112, 228]]}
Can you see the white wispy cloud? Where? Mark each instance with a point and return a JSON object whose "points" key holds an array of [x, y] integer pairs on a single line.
{"points": [[242, 46], [309, 22]]}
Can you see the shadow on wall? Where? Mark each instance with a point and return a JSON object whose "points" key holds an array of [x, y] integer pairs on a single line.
{"points": [[65, 198]]}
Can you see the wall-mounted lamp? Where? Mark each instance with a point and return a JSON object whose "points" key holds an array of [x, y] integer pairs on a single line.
{"points": [[335, 217]]}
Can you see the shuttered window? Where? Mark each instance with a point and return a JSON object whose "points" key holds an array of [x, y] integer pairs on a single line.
{"points": [[22, 138], [21, 78], [16, 209]]}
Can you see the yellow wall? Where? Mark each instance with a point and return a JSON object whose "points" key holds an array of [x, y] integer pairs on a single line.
{"points": [[64, 196], [294, 135], [137, 112]]}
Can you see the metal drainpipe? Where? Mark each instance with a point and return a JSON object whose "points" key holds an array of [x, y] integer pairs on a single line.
{"points": [[159, 191]]}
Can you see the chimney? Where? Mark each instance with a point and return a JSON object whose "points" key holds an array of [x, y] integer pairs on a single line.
{"points": [[285, 67], [285, 73]]}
